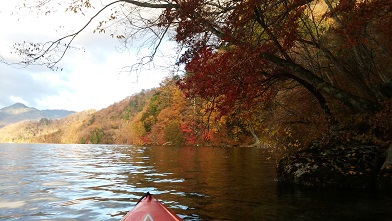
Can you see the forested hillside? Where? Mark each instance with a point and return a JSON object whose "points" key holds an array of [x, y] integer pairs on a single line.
{"points": [[65, 130], [160, 116], [164, 116]]}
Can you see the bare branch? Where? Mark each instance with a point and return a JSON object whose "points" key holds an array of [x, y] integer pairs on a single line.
{"points": [[150, 5], [36, 51]]}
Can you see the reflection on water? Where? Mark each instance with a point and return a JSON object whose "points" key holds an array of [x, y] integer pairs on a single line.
{"points": [[102, 182]]}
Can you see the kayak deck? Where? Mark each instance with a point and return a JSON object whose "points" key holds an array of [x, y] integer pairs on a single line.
{"points": [[150, 209]]}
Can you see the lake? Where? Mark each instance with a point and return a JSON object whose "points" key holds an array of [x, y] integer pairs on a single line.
{"points": [[103, 182]]}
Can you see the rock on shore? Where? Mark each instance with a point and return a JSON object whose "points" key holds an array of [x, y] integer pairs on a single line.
{"points": [[384, 180], [339, 166]]}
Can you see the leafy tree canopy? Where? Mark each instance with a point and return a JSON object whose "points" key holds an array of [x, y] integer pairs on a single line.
{"points": [[239, 53]]}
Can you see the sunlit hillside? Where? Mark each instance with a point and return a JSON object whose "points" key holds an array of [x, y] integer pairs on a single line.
{"points": [[160, 116], [63, 130], [108, 125]]}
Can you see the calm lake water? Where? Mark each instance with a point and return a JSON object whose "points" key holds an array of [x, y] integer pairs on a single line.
{"points": [[103, 182]]}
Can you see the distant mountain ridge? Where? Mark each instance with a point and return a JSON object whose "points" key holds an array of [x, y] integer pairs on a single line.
{"points": [[20, 112]]}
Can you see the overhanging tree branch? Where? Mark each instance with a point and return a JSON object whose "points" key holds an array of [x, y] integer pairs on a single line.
{"points": [[34, 53], [319, 84], [150, 5], [43, 50]]}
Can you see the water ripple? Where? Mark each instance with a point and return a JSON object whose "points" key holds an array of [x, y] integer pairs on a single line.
{"points": [[103, 182], [80, 182]]}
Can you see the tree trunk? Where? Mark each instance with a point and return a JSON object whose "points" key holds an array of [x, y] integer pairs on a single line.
{"points": [[319, 84], [320, 98], [255, 137]]}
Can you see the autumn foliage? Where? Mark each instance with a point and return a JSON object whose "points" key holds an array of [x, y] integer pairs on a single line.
{"points": [[305, 63], [258, 72]]}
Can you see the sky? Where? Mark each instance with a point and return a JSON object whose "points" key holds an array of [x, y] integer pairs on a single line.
{"points": [[91, 78]]}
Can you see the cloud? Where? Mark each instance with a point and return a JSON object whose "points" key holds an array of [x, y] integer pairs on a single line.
{"points": [[21, 85], [91, 78], [18, 100]]}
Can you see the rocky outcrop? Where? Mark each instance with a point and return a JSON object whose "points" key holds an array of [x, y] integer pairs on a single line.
{"points": [[338, 166], [385, 174]]}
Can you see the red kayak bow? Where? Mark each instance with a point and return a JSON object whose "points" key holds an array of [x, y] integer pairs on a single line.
{"points": [[150, 209]]}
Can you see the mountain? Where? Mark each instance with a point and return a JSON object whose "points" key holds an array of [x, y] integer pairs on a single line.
{"points": [[20, 112]]}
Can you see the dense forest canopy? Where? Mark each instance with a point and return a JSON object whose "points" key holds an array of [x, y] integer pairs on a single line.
{"points": [[296, 63]]}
